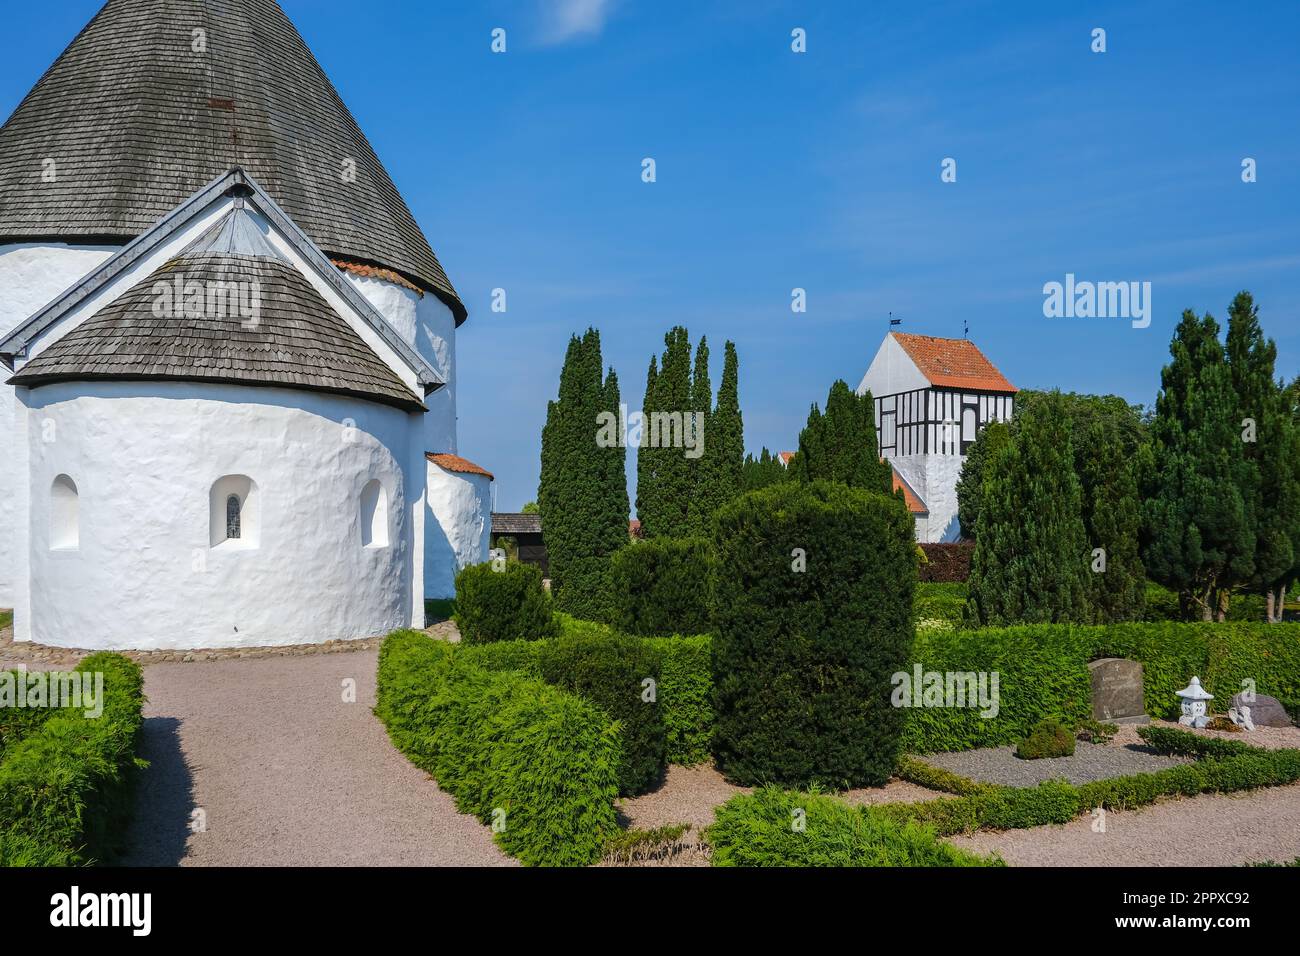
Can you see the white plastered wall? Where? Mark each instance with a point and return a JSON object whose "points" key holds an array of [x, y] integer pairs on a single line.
{"points": [[461, 530], [144, 456], [32, 275], [934, 478]]}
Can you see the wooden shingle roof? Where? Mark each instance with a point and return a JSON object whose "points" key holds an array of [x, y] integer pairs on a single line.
{"points": [[516, 523], [272, 328], [155, 98], [954, 363]]}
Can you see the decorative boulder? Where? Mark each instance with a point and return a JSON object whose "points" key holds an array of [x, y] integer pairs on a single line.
{"points": [[1265, 711]]}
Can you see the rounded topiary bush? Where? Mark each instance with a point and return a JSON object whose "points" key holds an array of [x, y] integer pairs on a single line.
{"points": [[661, 587], [610, 670], [502, 605], [1049, 738], [813, 590]]}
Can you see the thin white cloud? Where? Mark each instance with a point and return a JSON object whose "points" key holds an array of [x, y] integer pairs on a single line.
{"points": [[564, 20]]}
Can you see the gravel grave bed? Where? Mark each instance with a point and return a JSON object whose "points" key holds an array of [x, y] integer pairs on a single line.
{"points": [[1090, 762]]}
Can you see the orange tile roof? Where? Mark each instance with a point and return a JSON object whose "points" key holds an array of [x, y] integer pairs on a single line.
{"points": [[456, 463], [377, 272], [955, 363], [914, 503]]}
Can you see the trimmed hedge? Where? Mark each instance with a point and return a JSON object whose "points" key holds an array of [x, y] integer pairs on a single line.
{"points": [[582, 588], [1043, 673], [802, 658], [511, 749], [609, 670], [660, 586], [504, 605], [685, 681], [772, 827], [936, 603], [1049, 738], [1219, 769], [686, 696], [66, 778]]}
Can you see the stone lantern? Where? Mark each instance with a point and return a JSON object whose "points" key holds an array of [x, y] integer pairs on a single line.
{"points": [[1194, 697]]}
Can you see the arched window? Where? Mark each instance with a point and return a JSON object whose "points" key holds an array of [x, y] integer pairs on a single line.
{"points": [[234, 506], [232, 516], [374, 515], [65, 533]]}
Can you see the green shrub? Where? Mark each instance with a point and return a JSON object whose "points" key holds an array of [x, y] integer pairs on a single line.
{"points": [[522, 656], [1049, 738], [802, 658], [1096, 732], [772, 827], [610, 671], [936, 778], [502, 605], [582, 588], [686, 696], [940, 602], [509, 748], [660, 586], [439, 609], [1043, 672], [65, 786]]}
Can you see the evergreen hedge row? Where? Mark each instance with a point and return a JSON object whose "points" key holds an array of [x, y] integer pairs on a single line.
{"points": [[536, 762], [772, 827], [508, 604], [1043, 672], [661, 586], [65, 777]]}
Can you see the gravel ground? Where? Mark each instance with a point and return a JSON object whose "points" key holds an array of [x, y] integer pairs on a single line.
{"points": [[1270, 738], [1218, 829], [286, 773], [1089, 762]]}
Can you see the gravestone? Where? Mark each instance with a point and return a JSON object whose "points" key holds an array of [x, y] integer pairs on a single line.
{"points": [[1117, 691], [1265, 711]]}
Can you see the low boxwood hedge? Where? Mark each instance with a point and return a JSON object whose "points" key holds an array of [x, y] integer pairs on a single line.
{"points": [[537, 763], [65, 777], [505, 603], [772, 827], [685, 690], [1218, 769]]}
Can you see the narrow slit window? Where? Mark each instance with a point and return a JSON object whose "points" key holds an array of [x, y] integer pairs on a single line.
{"points": [[232, 516]]}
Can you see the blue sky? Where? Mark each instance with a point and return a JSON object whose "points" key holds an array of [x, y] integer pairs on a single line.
{"points": [[819, 170]]}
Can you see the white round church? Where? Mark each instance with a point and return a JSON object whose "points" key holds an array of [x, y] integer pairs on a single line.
{"points": [[229, 413]]}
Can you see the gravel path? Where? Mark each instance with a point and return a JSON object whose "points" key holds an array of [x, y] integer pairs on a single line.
{"points": [[1220, 829], [286, 773], [1089, 762]]}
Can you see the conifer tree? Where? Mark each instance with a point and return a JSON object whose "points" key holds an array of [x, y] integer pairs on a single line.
{"points": [[1198, 535], [582, 493], [970, 484], [663, 505], [762, 471], [1031, 561], [840, 445], [1112, 520]]}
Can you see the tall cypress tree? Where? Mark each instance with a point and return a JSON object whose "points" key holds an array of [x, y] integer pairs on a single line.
{"points": [[762, 471], [728, 430], [1198, 535], [698, 421], [665, 506], [1031, 560], [582, 493], [1269, 481], [970, 484], [1112, 519], [1282, 472]]}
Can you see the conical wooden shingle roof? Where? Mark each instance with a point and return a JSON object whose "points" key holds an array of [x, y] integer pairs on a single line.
{"points": [[155, 98]]}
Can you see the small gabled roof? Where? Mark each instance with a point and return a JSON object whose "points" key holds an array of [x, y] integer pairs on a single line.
{"points": [[514, 522], [236, 182], [255, 320], [914, 502], [953, 363], [455, 463], [156, 97]]}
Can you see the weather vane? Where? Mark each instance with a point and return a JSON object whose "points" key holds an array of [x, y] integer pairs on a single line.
{"points": [[893, 321]]}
